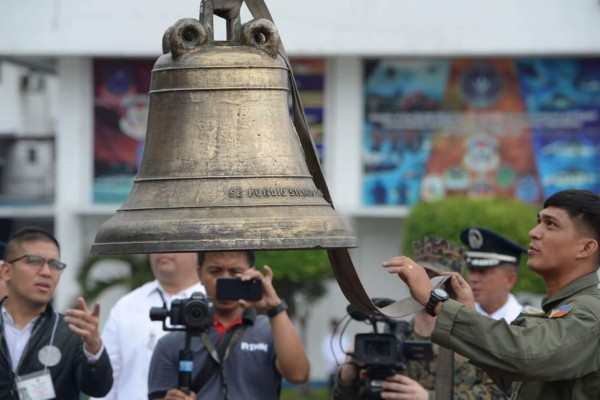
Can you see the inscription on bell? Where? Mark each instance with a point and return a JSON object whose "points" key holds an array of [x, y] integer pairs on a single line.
{"points": [[274, 192]]}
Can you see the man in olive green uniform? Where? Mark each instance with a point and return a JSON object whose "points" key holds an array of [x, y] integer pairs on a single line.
{"points": [[417, 381], [554, 354]]}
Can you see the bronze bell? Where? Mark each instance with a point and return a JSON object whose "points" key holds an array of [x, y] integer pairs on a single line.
{"points": [[223, 167]]}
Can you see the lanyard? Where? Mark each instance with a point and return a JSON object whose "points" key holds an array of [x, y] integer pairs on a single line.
{"points": [[52, 335], [219, 356]]}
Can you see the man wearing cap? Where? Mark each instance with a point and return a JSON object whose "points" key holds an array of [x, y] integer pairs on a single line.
{"points": [[493, 263], [418, 380]]}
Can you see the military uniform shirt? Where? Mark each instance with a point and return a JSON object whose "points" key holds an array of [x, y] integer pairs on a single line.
{"points": [[470, 382], [554, 354]]}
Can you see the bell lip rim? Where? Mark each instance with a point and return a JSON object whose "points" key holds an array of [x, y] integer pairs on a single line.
{"points": [[148, 247]]}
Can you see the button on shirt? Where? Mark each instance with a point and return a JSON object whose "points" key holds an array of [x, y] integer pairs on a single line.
{"points": [[130, 337]]}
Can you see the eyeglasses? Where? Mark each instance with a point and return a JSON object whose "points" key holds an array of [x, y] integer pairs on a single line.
{"points": [[38, 261]]}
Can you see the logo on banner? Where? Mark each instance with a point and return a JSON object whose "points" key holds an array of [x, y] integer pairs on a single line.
{"points": [[481, 84]]}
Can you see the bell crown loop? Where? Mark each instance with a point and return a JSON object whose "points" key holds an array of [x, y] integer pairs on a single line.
{"points": [[189, 35], [223, 167]]}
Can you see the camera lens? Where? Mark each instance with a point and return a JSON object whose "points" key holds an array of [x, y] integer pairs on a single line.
{"points": [[378, 348], [197, 312]]}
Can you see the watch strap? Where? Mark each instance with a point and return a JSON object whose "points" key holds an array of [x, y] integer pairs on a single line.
{"points": [[432, 303], [281, 307]]}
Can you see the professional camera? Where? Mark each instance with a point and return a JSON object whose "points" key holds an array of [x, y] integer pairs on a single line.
{"points": [[193, 314], [380, 355]]}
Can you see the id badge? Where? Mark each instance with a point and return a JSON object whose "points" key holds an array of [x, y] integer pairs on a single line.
{"points": [[35, 386]]}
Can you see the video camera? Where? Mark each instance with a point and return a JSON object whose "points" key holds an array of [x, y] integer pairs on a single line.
{"points": [[380, 355], [195, 314]]}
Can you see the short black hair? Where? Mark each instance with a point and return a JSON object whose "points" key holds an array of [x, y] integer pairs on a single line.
{"points": [[28, 234], [583, 208], [250, 254]]}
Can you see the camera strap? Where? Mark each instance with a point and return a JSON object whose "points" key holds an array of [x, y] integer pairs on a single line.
{"points": [[218, 356], [444, 375]]}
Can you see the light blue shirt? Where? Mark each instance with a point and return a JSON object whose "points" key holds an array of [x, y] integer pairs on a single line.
{"points": [[16, 339]]}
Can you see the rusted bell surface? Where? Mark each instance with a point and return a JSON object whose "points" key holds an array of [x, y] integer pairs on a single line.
{"points": [[222, 167]]}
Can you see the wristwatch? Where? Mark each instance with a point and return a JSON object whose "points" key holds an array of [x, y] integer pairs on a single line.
{"points": [[437, 295], [281, 307]]}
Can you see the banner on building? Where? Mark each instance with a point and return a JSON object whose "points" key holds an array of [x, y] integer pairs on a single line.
{"points": [[522, 128], [120, 116]]}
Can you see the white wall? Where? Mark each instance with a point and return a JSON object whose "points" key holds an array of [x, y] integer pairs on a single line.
{"points": [[10, 110], [26, 101], [29, 171], [74, 155], [315, 27]]}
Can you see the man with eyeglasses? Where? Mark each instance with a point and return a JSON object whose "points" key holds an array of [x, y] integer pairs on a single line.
{"points": [[44, 354]]}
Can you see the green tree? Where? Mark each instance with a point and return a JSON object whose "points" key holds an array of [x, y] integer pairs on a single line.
{"points": [[446, 218], [299, 275], [93, 284]]}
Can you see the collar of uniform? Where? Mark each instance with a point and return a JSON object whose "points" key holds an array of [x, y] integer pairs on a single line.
{"points": [[579, 284]]}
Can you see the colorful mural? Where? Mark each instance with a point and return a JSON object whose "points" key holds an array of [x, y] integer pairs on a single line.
{"points": [[479, 127]]}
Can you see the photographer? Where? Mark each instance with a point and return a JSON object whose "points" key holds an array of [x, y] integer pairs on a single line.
{"points": [[417, 381], [45, 354], [260, 349]]}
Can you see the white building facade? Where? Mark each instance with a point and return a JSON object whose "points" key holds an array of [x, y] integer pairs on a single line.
{"points": [[343, 33]]}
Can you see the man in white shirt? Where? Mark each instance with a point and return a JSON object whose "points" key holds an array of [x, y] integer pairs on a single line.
{"points": [[493, 263], [130, 335]]}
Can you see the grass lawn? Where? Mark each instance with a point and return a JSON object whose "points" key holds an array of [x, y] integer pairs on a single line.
{"points": [[290, 393], [294, 393]]}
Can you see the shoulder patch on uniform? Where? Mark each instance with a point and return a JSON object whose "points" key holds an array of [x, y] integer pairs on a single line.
{"points": [[531, 310], [560, 311]]}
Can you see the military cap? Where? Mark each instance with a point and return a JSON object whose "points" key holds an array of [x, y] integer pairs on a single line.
{"points": [[439, 255], [488, 249]]}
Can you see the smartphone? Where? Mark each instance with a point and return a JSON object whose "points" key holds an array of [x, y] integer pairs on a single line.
{"points": [[235, 289]]}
